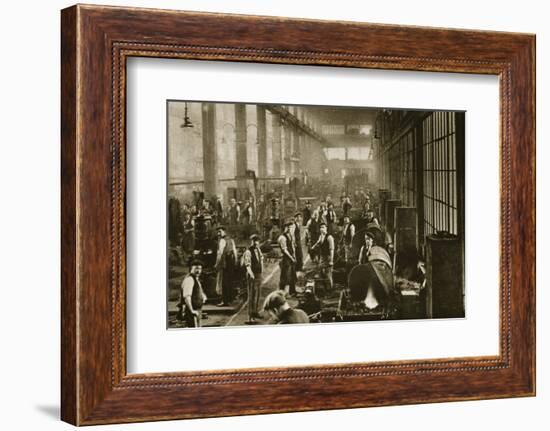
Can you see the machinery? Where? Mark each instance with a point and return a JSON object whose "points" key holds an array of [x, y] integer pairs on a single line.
{"points": [[361, 292], [273, 223], [205, 251], [371, 292]]}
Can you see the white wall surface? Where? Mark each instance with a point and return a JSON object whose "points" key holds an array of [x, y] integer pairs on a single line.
{"points": [[29, 219]]}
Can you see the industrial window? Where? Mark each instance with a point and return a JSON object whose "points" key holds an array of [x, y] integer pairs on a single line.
{"points": [[358, 129], [346, 129], [365, 129], [333, 129], [403, 168], [335, 153], [440, 173], [358, 153]]}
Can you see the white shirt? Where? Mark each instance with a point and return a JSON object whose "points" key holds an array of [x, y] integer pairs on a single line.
{"points": [[187, 286]]}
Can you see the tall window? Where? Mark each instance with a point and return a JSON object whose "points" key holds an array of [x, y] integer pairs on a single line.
{"points": [[358, 153], [402, 169], [440, 173]]}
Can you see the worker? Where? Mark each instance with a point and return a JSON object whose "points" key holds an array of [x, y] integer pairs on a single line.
{"points": [[307, 211], [248, 212], [206, 209], [226, 258], [366, 247], [287, 282], [323, 212], [253, 262], [372, 283], [330, 219], [192, 296], [248, 218], [348, 232], [277, 306], [346, 205], [312, 234], [368, 216], [188, 236], [218, 210], [325, 246], [233, 212], [298, 241]]}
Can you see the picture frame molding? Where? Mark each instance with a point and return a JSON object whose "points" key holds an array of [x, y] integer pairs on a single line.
{"points": [[96, 41]]}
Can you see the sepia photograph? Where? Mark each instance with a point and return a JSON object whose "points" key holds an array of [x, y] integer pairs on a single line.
{"points": [[303, 214]]}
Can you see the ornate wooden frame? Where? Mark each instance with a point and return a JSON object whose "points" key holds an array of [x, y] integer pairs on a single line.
{"points": [[95, 42]]}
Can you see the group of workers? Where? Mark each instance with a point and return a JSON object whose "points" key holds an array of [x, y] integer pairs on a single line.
{"points": [[320, 227], [275, 304], [234, 214]]}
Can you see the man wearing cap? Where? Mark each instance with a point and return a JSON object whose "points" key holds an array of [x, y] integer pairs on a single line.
{"points": [[226, 258], [248, 212], [348, 232], [369, 217], [298, 241], [234, 212], [192, 296], [375, 286], [276, 305], [218, 210], [253, 261], [206, 209], [312, 234], [366, 248], [322, 212], [330, 218], [346, 205], [287, 282], [325, 246], [307, 212]]}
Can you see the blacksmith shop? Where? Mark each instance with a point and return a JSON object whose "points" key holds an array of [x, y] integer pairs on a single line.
{"points": [[313, 214]]}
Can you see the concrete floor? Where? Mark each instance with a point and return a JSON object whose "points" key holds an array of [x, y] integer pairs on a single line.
{"points": [[237, 313]]}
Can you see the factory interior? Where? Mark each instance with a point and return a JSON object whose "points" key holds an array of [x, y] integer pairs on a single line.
{"points": [[243, 169]]}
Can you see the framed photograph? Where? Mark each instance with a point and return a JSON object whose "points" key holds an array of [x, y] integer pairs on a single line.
{"points": [[329, 214]]}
